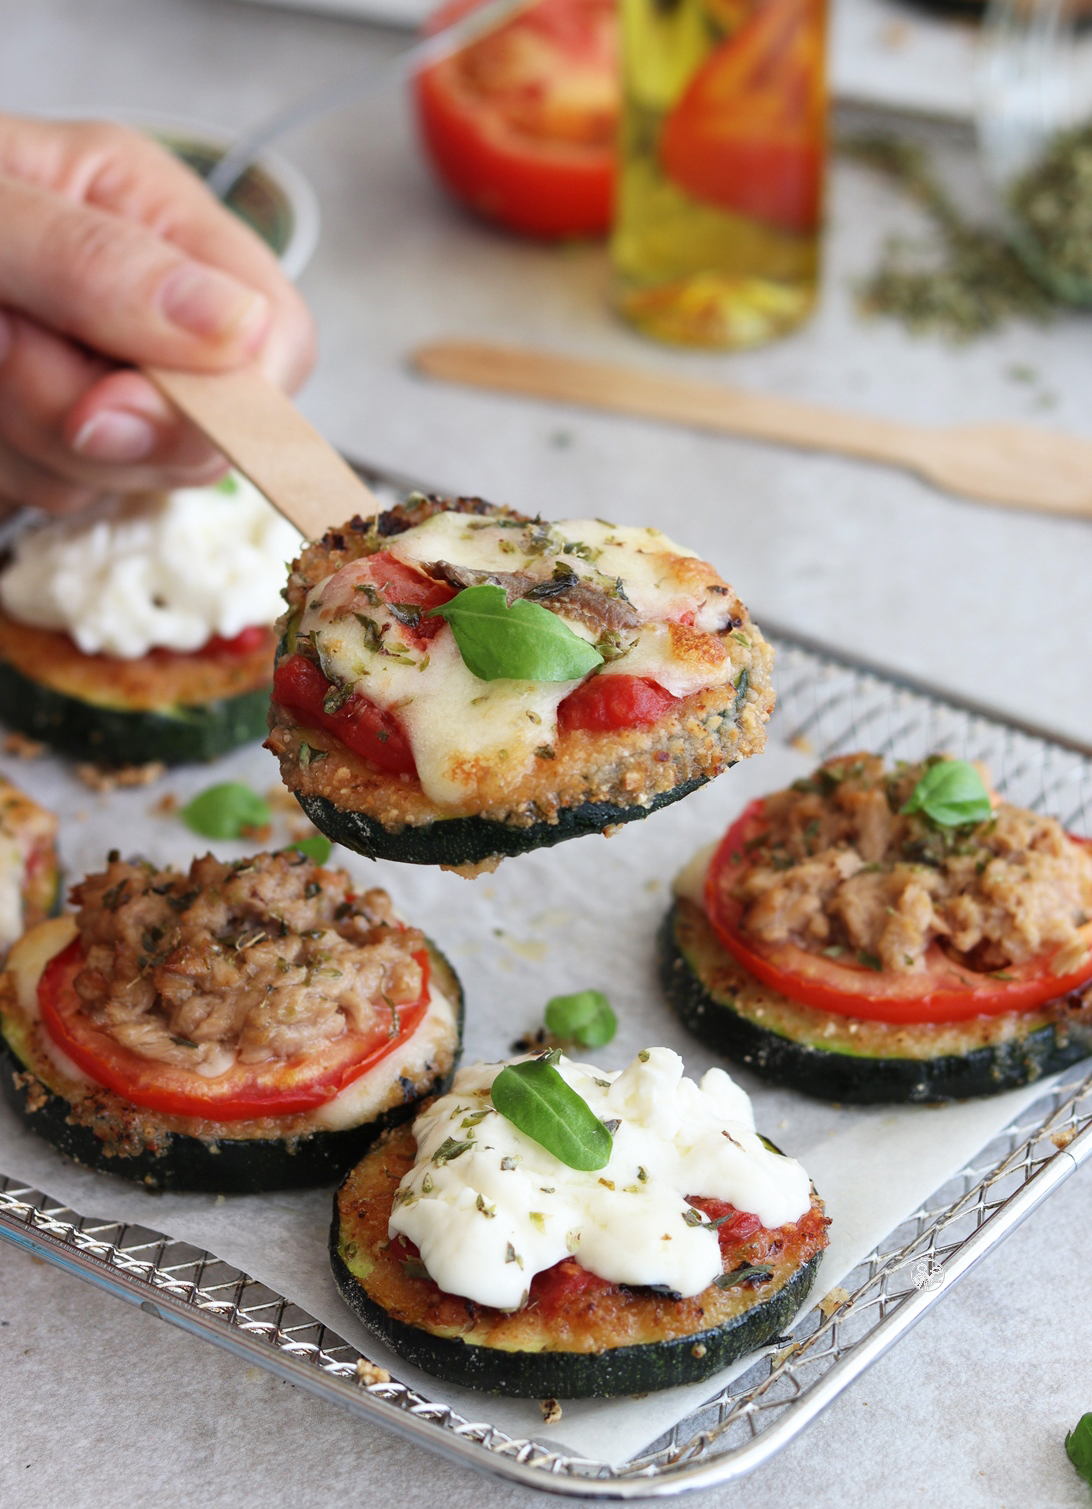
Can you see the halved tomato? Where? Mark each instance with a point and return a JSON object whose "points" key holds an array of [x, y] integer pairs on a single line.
{"points": [[944, 991], [521, 124], [749, 132], [246, 1091]]}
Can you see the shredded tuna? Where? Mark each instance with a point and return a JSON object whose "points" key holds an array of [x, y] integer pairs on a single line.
{"points": [[841, 868], [270, 958]]}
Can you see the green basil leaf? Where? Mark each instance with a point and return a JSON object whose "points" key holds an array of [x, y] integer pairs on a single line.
{"points": [[316, 846], [952, 793], [228, 485], [1078, 1447], [585, 1018], [524, 642], [226, 811], [534, 1097]]}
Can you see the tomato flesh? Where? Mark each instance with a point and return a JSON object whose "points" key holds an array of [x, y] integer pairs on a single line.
{"points": [[521, 124], [301, 688], [944, 991], [246, 1091], [749, 132], [611, 702]]}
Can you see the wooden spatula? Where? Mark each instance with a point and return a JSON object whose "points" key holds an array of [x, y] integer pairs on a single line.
{"points": [[1016, 465], [263, 433]]}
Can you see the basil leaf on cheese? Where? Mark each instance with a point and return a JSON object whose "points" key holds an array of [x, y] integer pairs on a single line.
{"points": [[534, 1097], [585, 1018], [952, 793], [524, 642]]}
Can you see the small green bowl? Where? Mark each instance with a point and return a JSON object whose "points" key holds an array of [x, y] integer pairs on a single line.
{"points": [[272, 197]]}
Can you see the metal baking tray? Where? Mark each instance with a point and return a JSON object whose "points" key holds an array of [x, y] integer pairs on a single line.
{"points": [[828, 703]]}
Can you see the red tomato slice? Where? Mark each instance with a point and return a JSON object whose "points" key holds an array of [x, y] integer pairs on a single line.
{"points": [[944, 991], [239, 644], [521, 124], [609, 702], [246, 1091], [749, 132], [301, 688]]}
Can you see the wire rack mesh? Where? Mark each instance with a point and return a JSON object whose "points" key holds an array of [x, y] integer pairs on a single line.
{"points": [[827, 705]]}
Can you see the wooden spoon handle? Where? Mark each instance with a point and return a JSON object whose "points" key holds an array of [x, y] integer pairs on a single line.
{"points": [[262, 432], [679, 400]]}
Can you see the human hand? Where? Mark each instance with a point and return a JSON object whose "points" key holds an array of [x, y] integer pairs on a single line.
{"points": [[113, 253]]}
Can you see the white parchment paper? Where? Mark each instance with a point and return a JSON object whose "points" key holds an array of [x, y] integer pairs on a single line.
{"points": [[584, 914]]}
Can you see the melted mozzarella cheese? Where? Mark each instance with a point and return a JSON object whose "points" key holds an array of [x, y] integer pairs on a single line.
{"points": [[502, 1209], [458, 726]]}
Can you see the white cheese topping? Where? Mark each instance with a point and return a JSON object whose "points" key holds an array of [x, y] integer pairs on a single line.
{"points": [[503, 1209], [458, 726], [158, 571]]}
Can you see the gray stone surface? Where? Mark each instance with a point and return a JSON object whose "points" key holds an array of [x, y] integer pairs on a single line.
{"points": [[98, 1403]]}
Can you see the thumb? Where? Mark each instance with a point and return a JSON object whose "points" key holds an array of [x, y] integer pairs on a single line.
{"points": [[119, 288]]}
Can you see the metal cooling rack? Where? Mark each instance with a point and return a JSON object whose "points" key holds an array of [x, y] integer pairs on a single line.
{"points": [[827, 705]]}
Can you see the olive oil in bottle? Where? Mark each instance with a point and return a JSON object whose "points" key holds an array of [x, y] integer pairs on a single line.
{"points": [[716, 239]]}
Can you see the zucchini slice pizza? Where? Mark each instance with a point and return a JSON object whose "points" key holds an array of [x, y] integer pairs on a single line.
{"points": [[30, 872], [143, 630], [241, 1027], [860, 937], [484, 1258], [457, 682]]}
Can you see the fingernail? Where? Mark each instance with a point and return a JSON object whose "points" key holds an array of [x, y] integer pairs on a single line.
{"points": [[115, 435], [208, 303], [7, 337]]}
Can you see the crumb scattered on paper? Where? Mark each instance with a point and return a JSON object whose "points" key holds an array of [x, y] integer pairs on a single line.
{"points": [[834, 1300], [260, 834], [167, 804], [367, 1373], [281, 799], [802, 743], [551, 1411], [22, 747], [99, 779]]}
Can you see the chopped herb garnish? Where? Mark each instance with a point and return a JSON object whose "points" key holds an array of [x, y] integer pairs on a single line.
{"points": [[449, 1150], [747, 1274]]}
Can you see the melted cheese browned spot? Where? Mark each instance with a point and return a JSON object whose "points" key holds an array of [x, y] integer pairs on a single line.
{"points": [[466, 733]]}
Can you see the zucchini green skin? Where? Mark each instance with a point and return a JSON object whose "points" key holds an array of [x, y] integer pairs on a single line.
{"points": [[121, 736], [577, 1375], [215, 1165], [815, 1066], [470, 840]]}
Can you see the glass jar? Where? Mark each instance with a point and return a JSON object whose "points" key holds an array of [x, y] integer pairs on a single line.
{"points": [[716, 239], [1035, 135]]}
